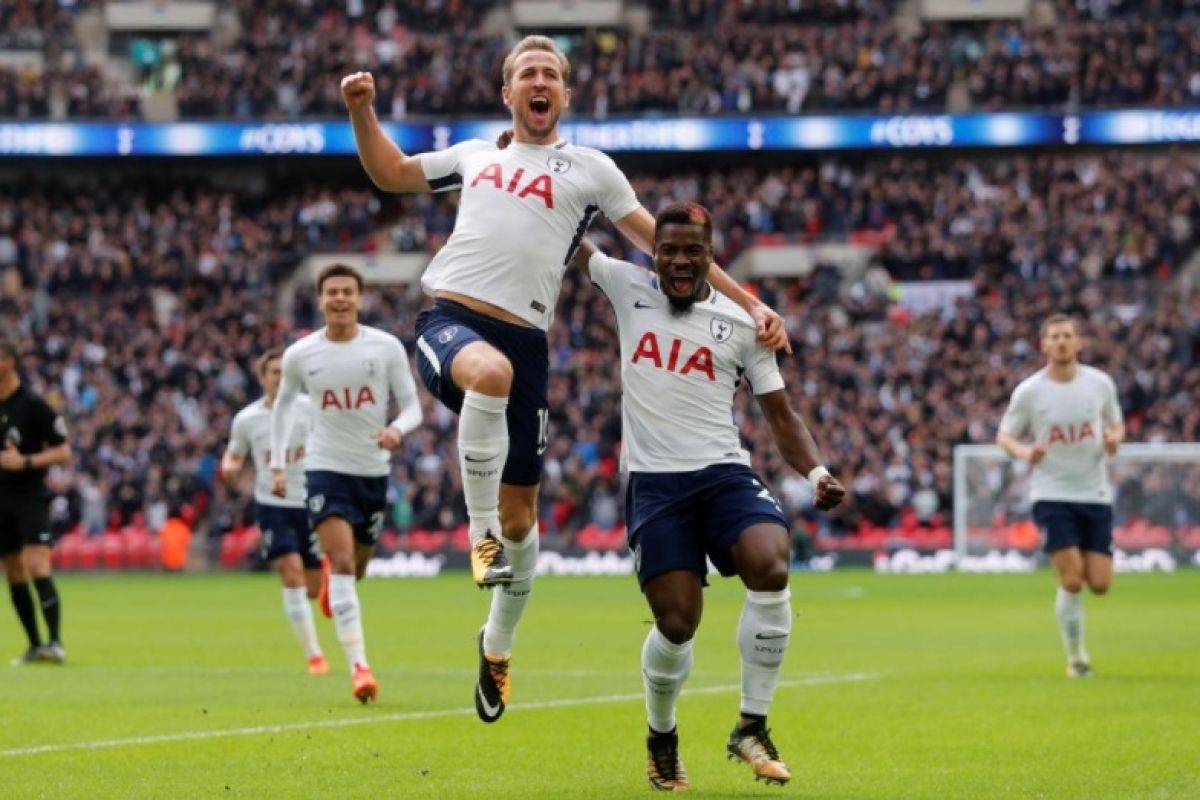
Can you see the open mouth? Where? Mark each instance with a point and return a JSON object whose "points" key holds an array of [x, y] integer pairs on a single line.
{"points": [[539, 105], [681, 285]]}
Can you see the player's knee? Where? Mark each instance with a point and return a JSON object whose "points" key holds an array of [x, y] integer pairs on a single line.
{"points": [[1099, 586], [770, 577], [677, 627], [341, 563], [492, 376], [516, 522], [1072, 583]]}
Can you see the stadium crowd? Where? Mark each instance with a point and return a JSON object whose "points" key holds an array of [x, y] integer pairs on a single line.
{"points": [[697, 56], [147, 302]]}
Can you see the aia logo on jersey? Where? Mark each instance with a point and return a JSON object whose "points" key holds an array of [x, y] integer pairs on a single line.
{"points": [[535, 186], [699, 360], [347, 399], [1069, 434], [721, 328]]}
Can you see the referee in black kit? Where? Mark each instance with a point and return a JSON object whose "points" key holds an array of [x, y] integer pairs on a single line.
{"points": [[32, 437]]}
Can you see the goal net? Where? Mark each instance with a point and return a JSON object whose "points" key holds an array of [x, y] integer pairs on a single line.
{"points": [[1156, 503]]}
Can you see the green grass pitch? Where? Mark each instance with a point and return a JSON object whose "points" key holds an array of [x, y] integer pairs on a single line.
{"points": [[946, 686]]}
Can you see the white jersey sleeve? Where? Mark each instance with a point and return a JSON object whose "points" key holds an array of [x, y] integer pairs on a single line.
{"points": [[281, 419], [762, 370], [1110, 408], [1016, 417], [239, 436], [443, 168], [404, 389], [614, 194]]}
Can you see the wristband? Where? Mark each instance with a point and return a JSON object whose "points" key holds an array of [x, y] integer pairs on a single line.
{"points": [[817, 473]]}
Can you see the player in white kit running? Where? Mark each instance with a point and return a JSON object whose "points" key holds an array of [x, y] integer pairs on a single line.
{"points": [[349, 371], [1072, 412], [692, 495], [287, 540], [482, 347]]}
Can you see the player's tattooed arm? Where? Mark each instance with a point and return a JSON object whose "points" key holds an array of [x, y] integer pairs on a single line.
{"points": [[799, 449]]}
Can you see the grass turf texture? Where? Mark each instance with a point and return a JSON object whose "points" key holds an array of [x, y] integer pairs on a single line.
{"points": [[964, 695]]}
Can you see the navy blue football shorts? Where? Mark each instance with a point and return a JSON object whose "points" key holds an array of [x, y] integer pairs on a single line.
{"points": [[361, 501], [445, 329], [1088, 526], [285, 531], [677, 520]]}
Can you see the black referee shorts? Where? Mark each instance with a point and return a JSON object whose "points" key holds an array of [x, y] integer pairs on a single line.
{"points": [[24, 523]]}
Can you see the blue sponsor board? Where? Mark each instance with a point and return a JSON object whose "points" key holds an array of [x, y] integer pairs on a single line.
{"points": [[681, 134]]}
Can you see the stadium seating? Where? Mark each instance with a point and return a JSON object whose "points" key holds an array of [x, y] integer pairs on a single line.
{"points": [[282, 60]]}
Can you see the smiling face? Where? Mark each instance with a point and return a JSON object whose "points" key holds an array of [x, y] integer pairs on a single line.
{"points": [[682, 257], [340, 300], [536, 92]]}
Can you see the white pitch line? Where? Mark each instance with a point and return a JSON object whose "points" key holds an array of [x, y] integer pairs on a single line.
{"points": [[568, 702]]}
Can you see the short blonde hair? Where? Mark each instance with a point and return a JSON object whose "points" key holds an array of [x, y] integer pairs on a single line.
{"points": [[535, 42], [1059, 319]]}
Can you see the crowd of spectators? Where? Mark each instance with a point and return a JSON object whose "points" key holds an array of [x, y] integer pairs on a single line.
{"points": [[142, 303], [439, 57]]}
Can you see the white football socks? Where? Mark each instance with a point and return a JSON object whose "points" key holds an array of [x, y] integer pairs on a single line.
{"points": [[347, 618], [508, 601], [665, 666], [299, 613], [1068, 607], [482, 451], [763, 633]]}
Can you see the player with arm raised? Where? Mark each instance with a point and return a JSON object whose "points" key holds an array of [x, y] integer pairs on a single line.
{"points": [[287, 540], [692, 495], [1075, 419], [482, 347], [349, 371]]}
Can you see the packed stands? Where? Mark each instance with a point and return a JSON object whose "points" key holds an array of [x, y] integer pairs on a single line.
{"points": [[283, 60]]}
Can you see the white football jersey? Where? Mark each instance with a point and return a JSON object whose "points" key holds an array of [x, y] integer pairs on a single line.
{"points": [[349, 385], [523, 211], [1069, 419], [251, 433], [679, 373]]}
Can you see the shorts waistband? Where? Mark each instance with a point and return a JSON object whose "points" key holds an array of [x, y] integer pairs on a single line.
{"points": [[458, 309]]}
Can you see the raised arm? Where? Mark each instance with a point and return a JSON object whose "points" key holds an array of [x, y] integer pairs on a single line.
{"points": [[799, 449], [638, 227], [388, 166]]}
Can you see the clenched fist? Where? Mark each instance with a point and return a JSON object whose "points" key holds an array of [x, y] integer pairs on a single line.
{"points": [[358, 90]]}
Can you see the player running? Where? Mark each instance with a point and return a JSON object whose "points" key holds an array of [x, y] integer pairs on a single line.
{"points": [[1073, 414], [349, 370], [692, 495], [287, 540], [482, 347]]}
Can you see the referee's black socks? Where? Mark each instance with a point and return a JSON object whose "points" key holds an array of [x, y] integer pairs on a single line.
{"points": [[22, 600], [51, 609]]}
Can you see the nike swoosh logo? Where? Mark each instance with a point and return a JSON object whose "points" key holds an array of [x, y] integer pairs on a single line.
{"points": [[488, 708], [767, 636], [314, 371], [479, 460], [640, 304]]}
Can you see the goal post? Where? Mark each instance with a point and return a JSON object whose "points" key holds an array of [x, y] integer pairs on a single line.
{"points": [[1156, 500]]}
